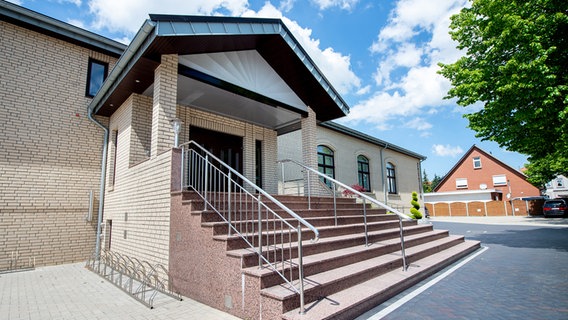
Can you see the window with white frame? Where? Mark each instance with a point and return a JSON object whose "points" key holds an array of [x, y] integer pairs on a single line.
{"points": [[500, 180], [559, 183], [477, 162], [461, 183]]}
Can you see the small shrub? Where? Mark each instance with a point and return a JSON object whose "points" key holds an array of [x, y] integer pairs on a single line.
{"points": [[415, 206]]}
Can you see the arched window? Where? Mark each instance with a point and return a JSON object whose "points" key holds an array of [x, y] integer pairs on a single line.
{"points": [[326, 163], [391, 178], [363, 172]]}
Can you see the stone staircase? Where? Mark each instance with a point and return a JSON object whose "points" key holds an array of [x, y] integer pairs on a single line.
{"points": [[343, 276]]}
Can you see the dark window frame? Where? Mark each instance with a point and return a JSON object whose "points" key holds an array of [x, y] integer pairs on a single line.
{"points": [[391, 178], [363, 170], [323, 165], [89, 87]]}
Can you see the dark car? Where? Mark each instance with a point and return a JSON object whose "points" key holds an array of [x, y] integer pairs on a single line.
{"points": [[555, 208]]}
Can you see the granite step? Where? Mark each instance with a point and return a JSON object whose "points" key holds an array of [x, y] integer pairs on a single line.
{"points": [[354, 301], [325, 284], [235, 241], [326, 260]]}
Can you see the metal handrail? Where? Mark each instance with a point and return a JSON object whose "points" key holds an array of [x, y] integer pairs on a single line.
{"points": [[219, 186], [365, 198]]}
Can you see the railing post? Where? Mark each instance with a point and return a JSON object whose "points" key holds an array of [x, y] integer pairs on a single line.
{"points": [[206, 182], [365, 222], [229, 201], [334, 203], [182, 168], [283, 179], [301, 269], [404, 266], [259, 233], [309, 191]]}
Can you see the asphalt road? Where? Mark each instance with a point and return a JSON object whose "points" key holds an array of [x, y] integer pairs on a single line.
{"points": [[522, 275]]}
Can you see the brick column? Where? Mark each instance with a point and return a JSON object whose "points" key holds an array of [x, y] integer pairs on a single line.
{"points": [[164, 104], [309, 150]]}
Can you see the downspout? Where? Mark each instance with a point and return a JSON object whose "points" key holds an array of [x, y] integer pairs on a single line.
{"points": [[103, 181], [383, 173]]}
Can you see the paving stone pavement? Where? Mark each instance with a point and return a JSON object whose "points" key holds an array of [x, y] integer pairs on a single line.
{"points": [[72, 292]]}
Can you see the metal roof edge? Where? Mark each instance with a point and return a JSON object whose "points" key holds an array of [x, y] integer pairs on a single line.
{"points": [[30, 18], [365, 137], [124, 63]]}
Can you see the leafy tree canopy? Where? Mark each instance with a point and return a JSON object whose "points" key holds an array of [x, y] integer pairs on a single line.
{"points": [[516, 64]]}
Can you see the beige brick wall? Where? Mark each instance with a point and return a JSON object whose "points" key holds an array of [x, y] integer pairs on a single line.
{"points": [[346, 149], [138, 198], [50, 153]]}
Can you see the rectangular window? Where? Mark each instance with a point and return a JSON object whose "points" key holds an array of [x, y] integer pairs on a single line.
{"points": [[96, 75], [559, 183], [500, 180], [461, 183], [476, 162]]}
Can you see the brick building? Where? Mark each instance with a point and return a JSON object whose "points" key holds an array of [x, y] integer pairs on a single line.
{"points": [[478, 175]]}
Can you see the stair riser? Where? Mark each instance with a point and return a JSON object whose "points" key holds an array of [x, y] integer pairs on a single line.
{"points": [[319, 247], [274, 279], [285, 237], [352, 279], [369, 303], [222, 227]]}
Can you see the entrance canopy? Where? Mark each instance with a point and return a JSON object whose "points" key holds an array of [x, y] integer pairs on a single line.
{"points": [[250, 69]]}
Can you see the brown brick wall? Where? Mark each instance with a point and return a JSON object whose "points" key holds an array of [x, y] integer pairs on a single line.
{"points": [[50, 153], [484, 175]]}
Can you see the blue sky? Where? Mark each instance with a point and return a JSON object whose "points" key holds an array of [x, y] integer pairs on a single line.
{"points": [[380, 55]]}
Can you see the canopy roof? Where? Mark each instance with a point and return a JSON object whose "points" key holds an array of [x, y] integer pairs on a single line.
{"points": [[256, 64]]}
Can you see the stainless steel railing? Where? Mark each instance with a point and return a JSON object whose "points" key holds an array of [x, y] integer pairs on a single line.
{"points": [[365, 199], [249, 213]]}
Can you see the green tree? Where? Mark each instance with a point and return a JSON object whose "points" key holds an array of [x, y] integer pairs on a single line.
{"points": [[426, 184], [435, 181], [515, 64]]}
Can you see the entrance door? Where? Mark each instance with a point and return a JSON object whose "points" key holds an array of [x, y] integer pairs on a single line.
{"points": [[228, 148]]}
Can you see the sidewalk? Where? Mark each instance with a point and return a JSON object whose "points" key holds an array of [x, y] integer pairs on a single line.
{"points": [[72, 292], [507, 220]]}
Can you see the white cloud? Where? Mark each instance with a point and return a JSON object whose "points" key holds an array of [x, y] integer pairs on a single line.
{"points": [[418, 124], [76, 23], [18, 2], [446, 150], [286, 5], [409, 48], [75, 2], [127, 15], [343, 4]]}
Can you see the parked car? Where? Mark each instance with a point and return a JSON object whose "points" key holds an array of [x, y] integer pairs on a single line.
{"points": [[555, 208]]}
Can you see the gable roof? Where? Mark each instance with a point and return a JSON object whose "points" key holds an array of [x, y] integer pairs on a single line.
{"points": [[58, 29], [486, 154], [365, 137], [190, 35]]}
